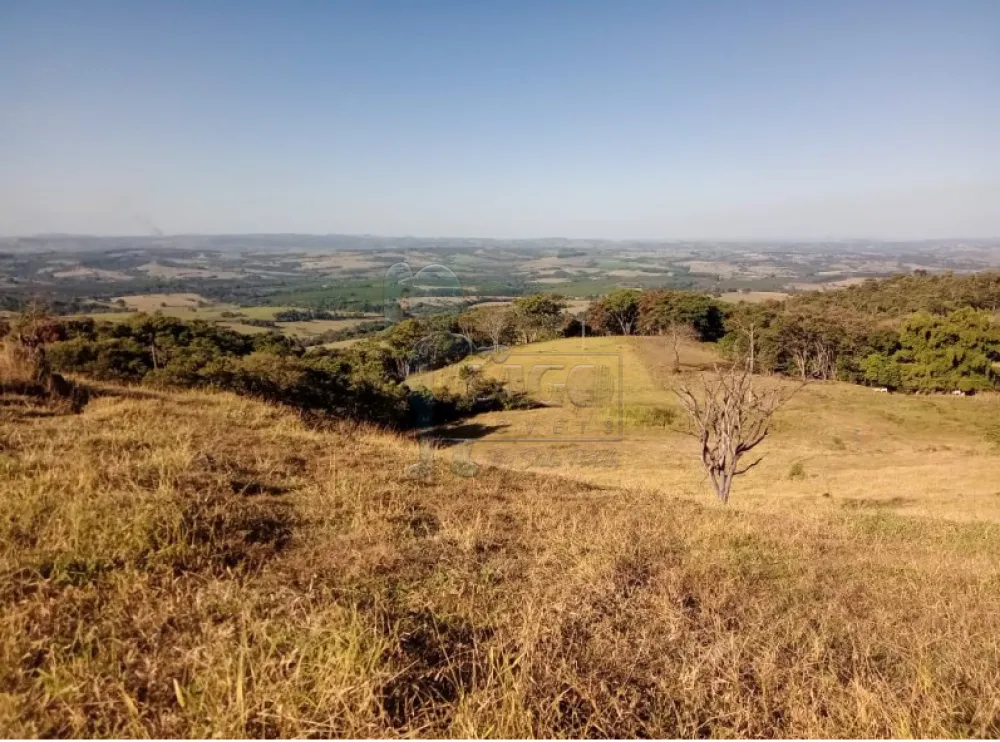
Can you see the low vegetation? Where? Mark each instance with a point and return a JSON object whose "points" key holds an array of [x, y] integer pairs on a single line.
{"points": [[200, 564], [363, 383], [25, 369]]}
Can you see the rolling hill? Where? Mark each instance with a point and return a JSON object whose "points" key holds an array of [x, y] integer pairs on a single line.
{"points": [[199, 564], [835, 446]]}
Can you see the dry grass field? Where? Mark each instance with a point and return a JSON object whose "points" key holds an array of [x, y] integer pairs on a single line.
{"points": [[314, 327], [198, 564], [753, 297], [340, 344], [834, 447]]}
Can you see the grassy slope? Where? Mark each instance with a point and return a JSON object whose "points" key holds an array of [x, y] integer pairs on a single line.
{"points": [[199, 564], [921, 456]]}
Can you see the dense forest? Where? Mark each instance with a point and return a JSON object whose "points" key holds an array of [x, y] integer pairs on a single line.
{"points": [[902, 295], [913, 333]]}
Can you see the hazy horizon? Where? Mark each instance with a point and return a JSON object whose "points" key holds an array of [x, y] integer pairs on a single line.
{"points": [[575, 120], [488, 238]]}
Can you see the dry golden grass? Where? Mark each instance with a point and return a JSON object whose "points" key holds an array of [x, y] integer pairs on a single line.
{"points": [[24, 372], [340, 343], [920, 456], [194, 564], [753, 297], [311, 328], [155, 269], [18, 366], [304, 330]]}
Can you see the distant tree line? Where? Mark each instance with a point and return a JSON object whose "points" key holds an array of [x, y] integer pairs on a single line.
{"points": [[364, 382], [543, 316], [53, 305], [913, 333], [362, 329], [304, 315]]}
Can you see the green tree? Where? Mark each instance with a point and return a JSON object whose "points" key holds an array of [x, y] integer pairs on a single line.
{"points": [[401, 339], [679, 316], [881, 370], [659, 310], [955, 351], [621, 311], [538, 316], [471, 376]]}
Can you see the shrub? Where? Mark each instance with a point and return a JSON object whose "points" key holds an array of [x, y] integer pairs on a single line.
{"points": [[25, 369], [18, 366], [361, 383], [642, 416]]}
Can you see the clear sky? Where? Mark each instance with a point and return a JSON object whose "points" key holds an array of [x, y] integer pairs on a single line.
{"points": [[617, 119]]}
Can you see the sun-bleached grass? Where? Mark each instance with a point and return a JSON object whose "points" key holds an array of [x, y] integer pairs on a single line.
{"points": [[196, 564], [925, 456], [19, 368]]}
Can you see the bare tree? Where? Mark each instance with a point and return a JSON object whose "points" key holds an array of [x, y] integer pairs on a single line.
{"points": [[730, 416], [679, 332], [468, 324], [825, 359], [746, 330], [495, 323]]}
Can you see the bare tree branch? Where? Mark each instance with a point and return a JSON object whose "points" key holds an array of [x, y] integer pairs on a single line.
{"points": [[730, 416]]}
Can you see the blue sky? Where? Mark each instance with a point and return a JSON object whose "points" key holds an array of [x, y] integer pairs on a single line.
{"points": [[660, 119]]}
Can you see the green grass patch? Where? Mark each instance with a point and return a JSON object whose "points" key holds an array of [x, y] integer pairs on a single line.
{"points": [[647, 416]]}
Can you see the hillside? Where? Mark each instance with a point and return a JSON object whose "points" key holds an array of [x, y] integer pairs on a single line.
{"points": [[198, 564], [834, 447]]}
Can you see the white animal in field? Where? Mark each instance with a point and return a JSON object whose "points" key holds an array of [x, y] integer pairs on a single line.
{"points": [[958, 393], [882, 389]]}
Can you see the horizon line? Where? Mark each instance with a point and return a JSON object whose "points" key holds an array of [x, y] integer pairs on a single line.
{"points": [[372, 235]]}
